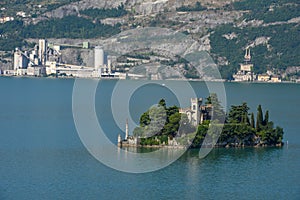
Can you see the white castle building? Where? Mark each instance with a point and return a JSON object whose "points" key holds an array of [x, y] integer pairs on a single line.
{"points": [[197, 112], [246, 69]]}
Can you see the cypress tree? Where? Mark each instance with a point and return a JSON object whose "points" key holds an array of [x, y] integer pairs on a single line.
{"points": [[259, 118], [248, 121], [252, 121], [266, 121], [245, 118], [162, 103]]}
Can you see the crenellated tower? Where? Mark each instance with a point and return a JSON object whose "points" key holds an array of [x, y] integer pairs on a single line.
{"points": [[247, 55], [196, 110]]}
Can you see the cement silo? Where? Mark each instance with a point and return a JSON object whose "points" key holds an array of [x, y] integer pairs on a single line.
{"points": [[20, 60], [42, 51], [99, 57]]}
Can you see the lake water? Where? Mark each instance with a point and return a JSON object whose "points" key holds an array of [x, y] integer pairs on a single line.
{"points": [[42, 157]]}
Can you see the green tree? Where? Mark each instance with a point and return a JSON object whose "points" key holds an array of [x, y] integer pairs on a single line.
{"points": [[266, 120], [238, 114], [161, 121], [171, 128], [145, 119], [200, 134], [252, 123], [245, 118], [162, 103], [218, 110], [259, 118], [278, 134], [171, 110], [138, 131]]}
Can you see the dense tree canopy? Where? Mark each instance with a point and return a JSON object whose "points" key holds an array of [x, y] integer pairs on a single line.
{"points": [[69, 27], [13, 33], [196, 7], [238, 130], [284, 43], [105, 13], [278, 53], [239, 114], [154, 132], [269, 10]]}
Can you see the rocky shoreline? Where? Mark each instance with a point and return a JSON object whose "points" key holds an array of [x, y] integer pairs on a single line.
{"points": [[203, 146]]}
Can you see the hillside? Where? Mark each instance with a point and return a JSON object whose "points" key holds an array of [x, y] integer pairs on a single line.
{"points": [[223, 28]]}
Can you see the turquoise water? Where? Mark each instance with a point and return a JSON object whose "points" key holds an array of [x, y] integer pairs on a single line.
{"points": [[42, 157]]}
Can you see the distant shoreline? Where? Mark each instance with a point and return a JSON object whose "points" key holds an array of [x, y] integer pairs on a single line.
{"points": [[189, 80]]}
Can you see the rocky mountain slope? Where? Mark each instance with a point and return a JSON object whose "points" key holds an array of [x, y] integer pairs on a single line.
{"points": [[224, 28]]}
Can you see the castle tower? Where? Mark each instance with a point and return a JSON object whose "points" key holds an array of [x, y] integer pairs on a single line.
{"points": [[196, 110], [247, 55], [247, 66], [127, 131]]}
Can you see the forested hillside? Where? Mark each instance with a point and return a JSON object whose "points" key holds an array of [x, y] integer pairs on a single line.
{"points": [[271, 22]]}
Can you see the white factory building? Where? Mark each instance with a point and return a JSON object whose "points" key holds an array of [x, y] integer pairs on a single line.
{"points": [[45, 60], [101, 63], [20, 60]]}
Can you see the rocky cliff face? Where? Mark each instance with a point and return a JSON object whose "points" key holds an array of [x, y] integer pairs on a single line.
{"points": [[139, 7], [74, 8]]}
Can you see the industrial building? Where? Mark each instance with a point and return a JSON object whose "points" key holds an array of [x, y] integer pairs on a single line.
{"points": [[42, 52], [45, 60], [20, 60], [101, 62]]}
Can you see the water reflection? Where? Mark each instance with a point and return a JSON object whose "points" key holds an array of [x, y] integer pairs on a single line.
{"points": [[233, 154]]}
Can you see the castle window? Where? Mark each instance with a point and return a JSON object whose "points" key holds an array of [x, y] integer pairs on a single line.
{"points": [[194, 107]]}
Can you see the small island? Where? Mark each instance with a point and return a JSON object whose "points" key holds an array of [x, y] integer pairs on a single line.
{"points": [[196, 126]]}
